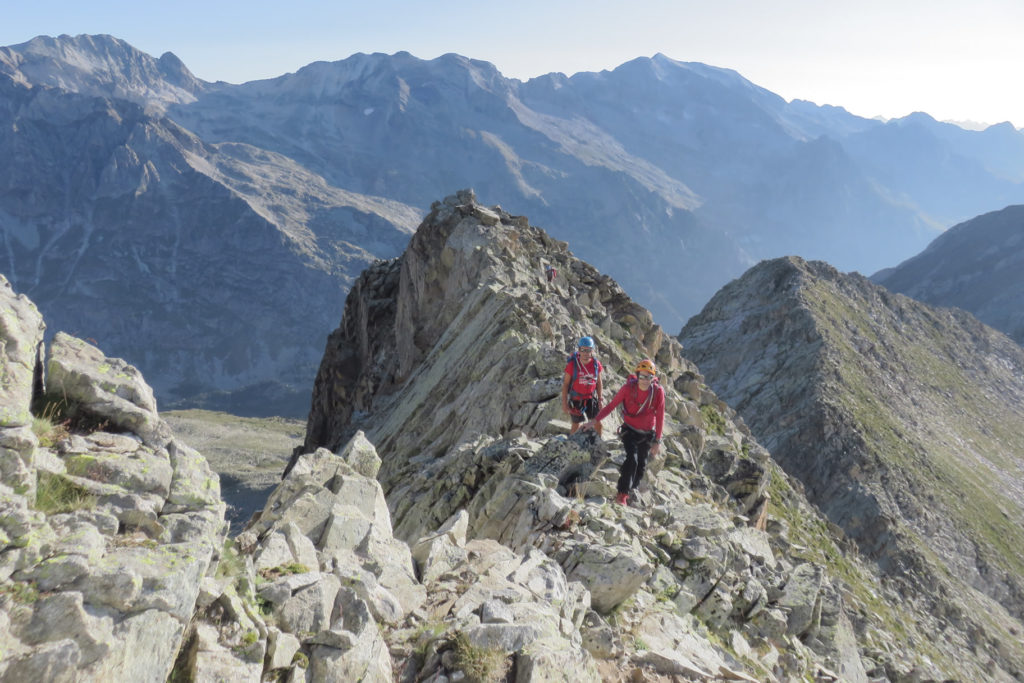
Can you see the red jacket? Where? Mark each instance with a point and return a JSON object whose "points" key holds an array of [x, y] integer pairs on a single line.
{"points": [[642, 410], [586, 377]]}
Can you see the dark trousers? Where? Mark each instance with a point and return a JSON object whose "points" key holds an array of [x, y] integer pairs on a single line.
{"points": [[638, 446]]}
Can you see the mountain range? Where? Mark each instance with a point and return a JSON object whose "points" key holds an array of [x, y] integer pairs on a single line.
{"points": [[232, 219]]}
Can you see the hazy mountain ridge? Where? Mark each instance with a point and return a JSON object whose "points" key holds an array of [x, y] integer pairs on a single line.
{"points": [[902, 421], [671, 177], [102, 66], [214, 248], [705, 141], [977, 265]]}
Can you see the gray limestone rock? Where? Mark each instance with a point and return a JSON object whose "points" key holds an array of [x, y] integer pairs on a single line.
{"points": [[108, 388], [21, 338], [611, 574]]}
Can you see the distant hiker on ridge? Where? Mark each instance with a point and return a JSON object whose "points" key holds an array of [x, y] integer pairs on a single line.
{"points": [[549, 276], [581, 385], [643, 415]]}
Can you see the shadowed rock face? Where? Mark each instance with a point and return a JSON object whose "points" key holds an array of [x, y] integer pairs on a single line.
{"points": [[892, 414], [977, 266]]}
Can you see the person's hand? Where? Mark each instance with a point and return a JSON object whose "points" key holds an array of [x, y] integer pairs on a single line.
{"points": [[587, 425], [656, 448], [565, 408]]}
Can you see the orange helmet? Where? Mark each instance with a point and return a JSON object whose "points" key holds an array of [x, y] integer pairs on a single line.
{"points": [[646, 365]]}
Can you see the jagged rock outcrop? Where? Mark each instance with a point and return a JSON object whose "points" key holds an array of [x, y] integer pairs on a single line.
{"points": [[449, 360], [892, 414], [977, 265], [107, 522]]}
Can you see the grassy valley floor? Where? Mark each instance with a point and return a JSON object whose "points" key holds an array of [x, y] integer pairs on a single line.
{"points": [[248, 453]]}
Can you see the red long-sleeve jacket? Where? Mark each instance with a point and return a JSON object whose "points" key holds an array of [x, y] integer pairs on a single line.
{"points": [[643, 410]]}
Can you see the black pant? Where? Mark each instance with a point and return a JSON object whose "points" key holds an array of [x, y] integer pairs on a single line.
{"points": [[638, 446]]}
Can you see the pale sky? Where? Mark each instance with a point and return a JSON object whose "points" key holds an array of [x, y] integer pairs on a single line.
{"points": [[956, 60]]}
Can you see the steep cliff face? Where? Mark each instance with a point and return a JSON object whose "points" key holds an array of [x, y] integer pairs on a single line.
{"points": [[903, 422], [977, 265]]}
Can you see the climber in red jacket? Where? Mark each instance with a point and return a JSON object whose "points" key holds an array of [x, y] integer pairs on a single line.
{"points": [[643, 416]]}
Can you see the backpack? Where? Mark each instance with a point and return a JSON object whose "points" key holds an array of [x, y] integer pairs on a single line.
{"points": [[575, 360]]}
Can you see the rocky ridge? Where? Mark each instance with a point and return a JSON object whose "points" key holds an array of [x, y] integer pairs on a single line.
{"points": [[723, 572], [893, 415], [449, 360]]}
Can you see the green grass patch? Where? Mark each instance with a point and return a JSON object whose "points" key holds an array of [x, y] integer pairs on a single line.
{"points": [[56, 494], [480, 664], [48, 432], [714, 421], [273, 573], [20, 591]]}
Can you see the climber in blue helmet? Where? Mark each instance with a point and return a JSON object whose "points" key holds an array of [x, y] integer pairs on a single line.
{"points": [[581, 385]]}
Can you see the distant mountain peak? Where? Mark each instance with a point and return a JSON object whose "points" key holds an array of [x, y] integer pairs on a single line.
{"points": [[102, 66]]}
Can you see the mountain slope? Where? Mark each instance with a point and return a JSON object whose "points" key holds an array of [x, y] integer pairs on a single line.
{"points": [[226, 259], [977, 265], [902, 421]]}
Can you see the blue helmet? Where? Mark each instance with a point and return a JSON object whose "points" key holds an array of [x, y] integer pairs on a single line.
{"points": [[586, 343]]}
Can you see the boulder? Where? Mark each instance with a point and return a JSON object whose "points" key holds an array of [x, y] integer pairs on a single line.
{"points": [[105, 388]]}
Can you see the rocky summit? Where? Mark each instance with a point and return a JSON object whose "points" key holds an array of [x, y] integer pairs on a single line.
{"points": [[439, 524], [902, 421]]}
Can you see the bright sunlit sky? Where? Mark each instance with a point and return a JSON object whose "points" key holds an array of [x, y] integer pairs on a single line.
{"points": [[953, 59]]}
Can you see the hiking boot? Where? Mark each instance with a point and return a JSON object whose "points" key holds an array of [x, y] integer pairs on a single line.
{"points": [[622, 498]]}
